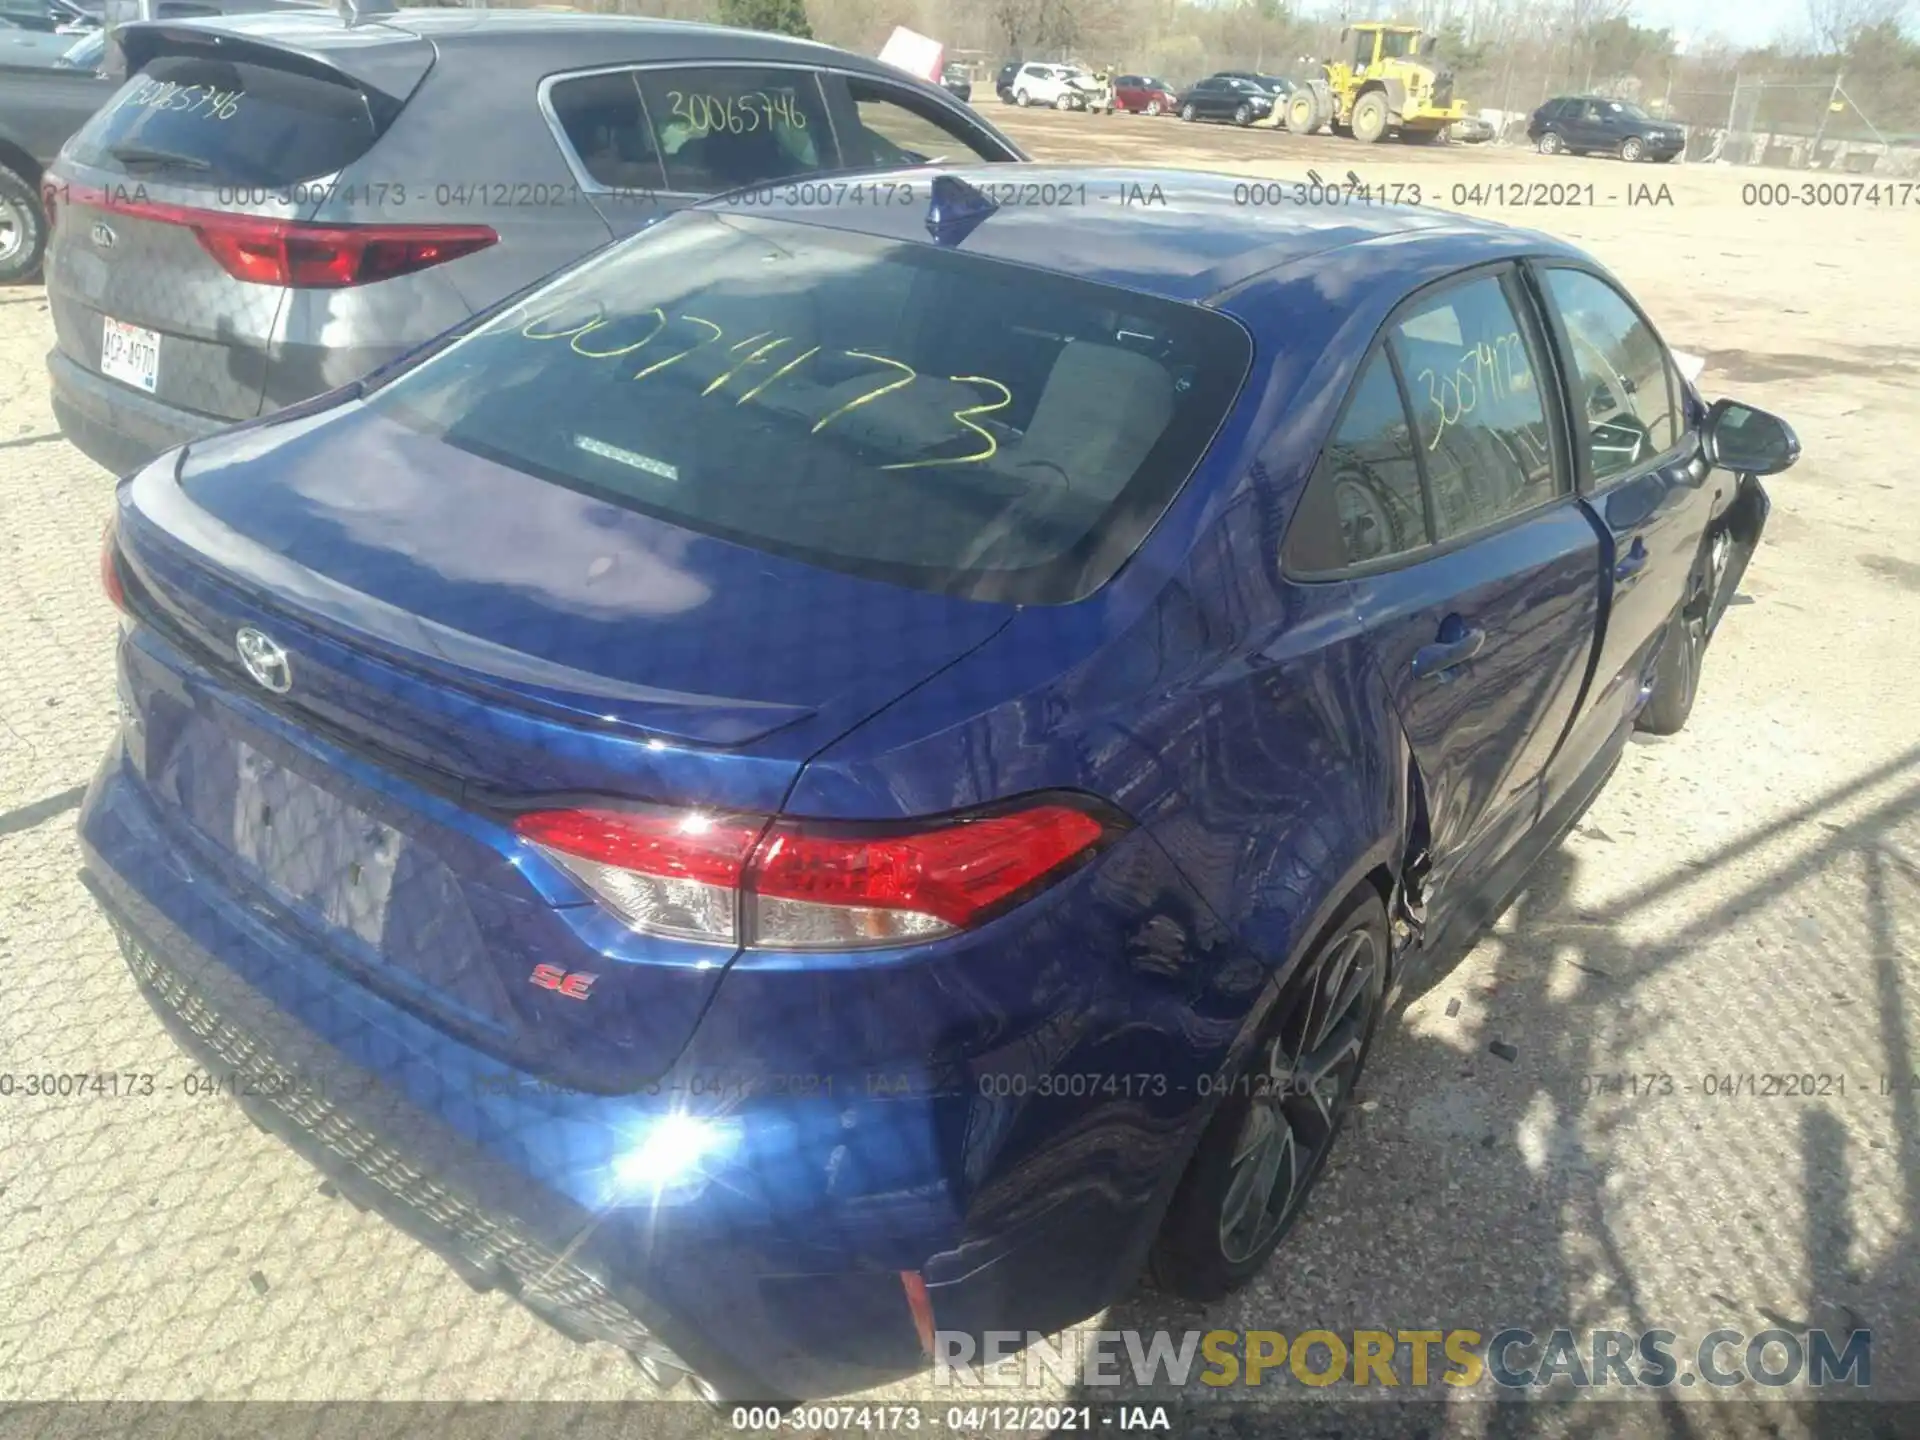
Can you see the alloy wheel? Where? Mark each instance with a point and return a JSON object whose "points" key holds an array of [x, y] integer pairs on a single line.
{"points": [[13, 232], [1300, 1093]]}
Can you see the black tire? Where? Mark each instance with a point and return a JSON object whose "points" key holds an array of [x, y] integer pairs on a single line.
{"points": [[1676, 677], [1551, 143], [1243, 113], [1370, 118], [1220, 1231], [1633, 149], [23, 228], [1022, 99], [1187, 111], [1302, 112]]}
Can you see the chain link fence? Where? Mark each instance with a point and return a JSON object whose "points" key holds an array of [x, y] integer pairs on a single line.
{"points": [[1793, 125]]}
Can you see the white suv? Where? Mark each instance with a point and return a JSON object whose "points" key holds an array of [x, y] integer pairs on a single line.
{"points": [[1061, 86]]}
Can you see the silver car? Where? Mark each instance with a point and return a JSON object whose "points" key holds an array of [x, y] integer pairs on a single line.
{"points": [[276, 205]]}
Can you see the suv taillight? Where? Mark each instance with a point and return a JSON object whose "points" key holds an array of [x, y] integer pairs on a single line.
{"points": [[297, 254], [815, 885]]}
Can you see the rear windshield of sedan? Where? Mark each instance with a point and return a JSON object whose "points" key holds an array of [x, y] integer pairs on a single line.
{"points": [[889, 409]]}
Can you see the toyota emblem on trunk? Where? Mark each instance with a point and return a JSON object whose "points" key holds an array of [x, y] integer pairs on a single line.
{"points": [[102, 235], [266, 662]]}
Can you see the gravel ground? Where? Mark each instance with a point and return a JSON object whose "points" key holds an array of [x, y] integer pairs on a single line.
{"points": [[1744, 900]]}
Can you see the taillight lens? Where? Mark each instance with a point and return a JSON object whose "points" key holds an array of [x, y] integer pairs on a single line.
{"points": [[674, 873], [297, 255], [110, 567], [799, 885], [331, 257]]}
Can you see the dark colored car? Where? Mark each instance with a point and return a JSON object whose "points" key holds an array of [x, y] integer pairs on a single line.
{"points": [[1273, 84], [203, 272], [957, 81], [1003, 80], [1596, 124], [1144, 95], [1227, 97], [839, 773], [45, 96]]}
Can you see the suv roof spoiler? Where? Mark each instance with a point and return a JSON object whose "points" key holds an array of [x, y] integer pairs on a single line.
{"points": [[391, 70]]}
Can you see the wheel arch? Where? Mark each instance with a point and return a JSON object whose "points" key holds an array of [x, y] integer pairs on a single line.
{"points": [[1390, 86]]}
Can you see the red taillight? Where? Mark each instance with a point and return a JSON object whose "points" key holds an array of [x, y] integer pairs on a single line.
{"points": [[801, 885], [303, 256], [110, 568]]}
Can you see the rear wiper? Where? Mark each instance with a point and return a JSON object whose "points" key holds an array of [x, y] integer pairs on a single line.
{"points": [[168, 159]]}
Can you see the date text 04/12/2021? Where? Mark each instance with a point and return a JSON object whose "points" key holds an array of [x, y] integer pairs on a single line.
{"points": [[1042, 1419]]}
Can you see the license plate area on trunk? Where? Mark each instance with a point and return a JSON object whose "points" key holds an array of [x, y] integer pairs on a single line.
{"points": [[313, 849], [130, 354]]}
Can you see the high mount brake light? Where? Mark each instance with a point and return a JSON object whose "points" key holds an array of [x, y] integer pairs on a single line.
{"points": [[297, 254], [802, 885]]}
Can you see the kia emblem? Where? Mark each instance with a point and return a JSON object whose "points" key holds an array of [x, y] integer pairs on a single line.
{"points": [[102, 234], [265, 660]]}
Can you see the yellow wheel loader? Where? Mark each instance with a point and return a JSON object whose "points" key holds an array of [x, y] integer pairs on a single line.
{"points": [[1389, 83]]}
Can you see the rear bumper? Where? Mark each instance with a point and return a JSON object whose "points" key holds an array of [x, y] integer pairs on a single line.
{"points": [[115, 427], [760, 1281]]}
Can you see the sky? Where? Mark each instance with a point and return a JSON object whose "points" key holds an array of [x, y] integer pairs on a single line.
{"points": [[1751, 22]]}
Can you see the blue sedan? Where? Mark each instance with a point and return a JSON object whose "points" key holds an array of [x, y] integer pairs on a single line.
{"points": [[843, 775]]}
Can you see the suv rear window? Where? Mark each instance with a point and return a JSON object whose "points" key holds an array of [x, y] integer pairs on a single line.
{"points": [[229, 120], [892, 410]]}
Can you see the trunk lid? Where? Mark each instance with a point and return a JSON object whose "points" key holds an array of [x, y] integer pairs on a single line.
{"points": [[463, 640], [248, 116]]}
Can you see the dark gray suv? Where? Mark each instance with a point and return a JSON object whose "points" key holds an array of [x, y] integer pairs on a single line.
{"points": [[276, 205]]}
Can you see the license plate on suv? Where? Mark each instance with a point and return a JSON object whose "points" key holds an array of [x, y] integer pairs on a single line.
{"points": [[130, 355]]}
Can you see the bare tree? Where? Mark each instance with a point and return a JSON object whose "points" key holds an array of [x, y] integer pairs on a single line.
{"points": [[1837, 23]]}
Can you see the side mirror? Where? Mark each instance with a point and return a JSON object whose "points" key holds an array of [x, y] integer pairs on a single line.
{"points": [[1748, 441]]}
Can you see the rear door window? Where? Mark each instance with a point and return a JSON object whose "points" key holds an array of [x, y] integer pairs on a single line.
{"points": [[606, 127], [236, 121], [1478, 411], [897, 127], [724, 126], [904, 412]]}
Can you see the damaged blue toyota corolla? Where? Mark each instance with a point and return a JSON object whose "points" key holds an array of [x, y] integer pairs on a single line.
{"points": [[843, 771]]}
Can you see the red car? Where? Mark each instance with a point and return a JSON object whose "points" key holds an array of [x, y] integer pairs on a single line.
{"points": [[1143, 95]]}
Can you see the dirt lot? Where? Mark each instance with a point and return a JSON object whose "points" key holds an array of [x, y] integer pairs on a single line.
{"points": [[1743, 901]]}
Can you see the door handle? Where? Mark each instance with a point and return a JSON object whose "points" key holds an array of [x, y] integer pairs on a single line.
{"points": [[1632, 563], [1457, 644]]}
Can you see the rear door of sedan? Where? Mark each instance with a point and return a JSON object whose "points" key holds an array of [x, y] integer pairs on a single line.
{"points": [[1447, 501]]}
